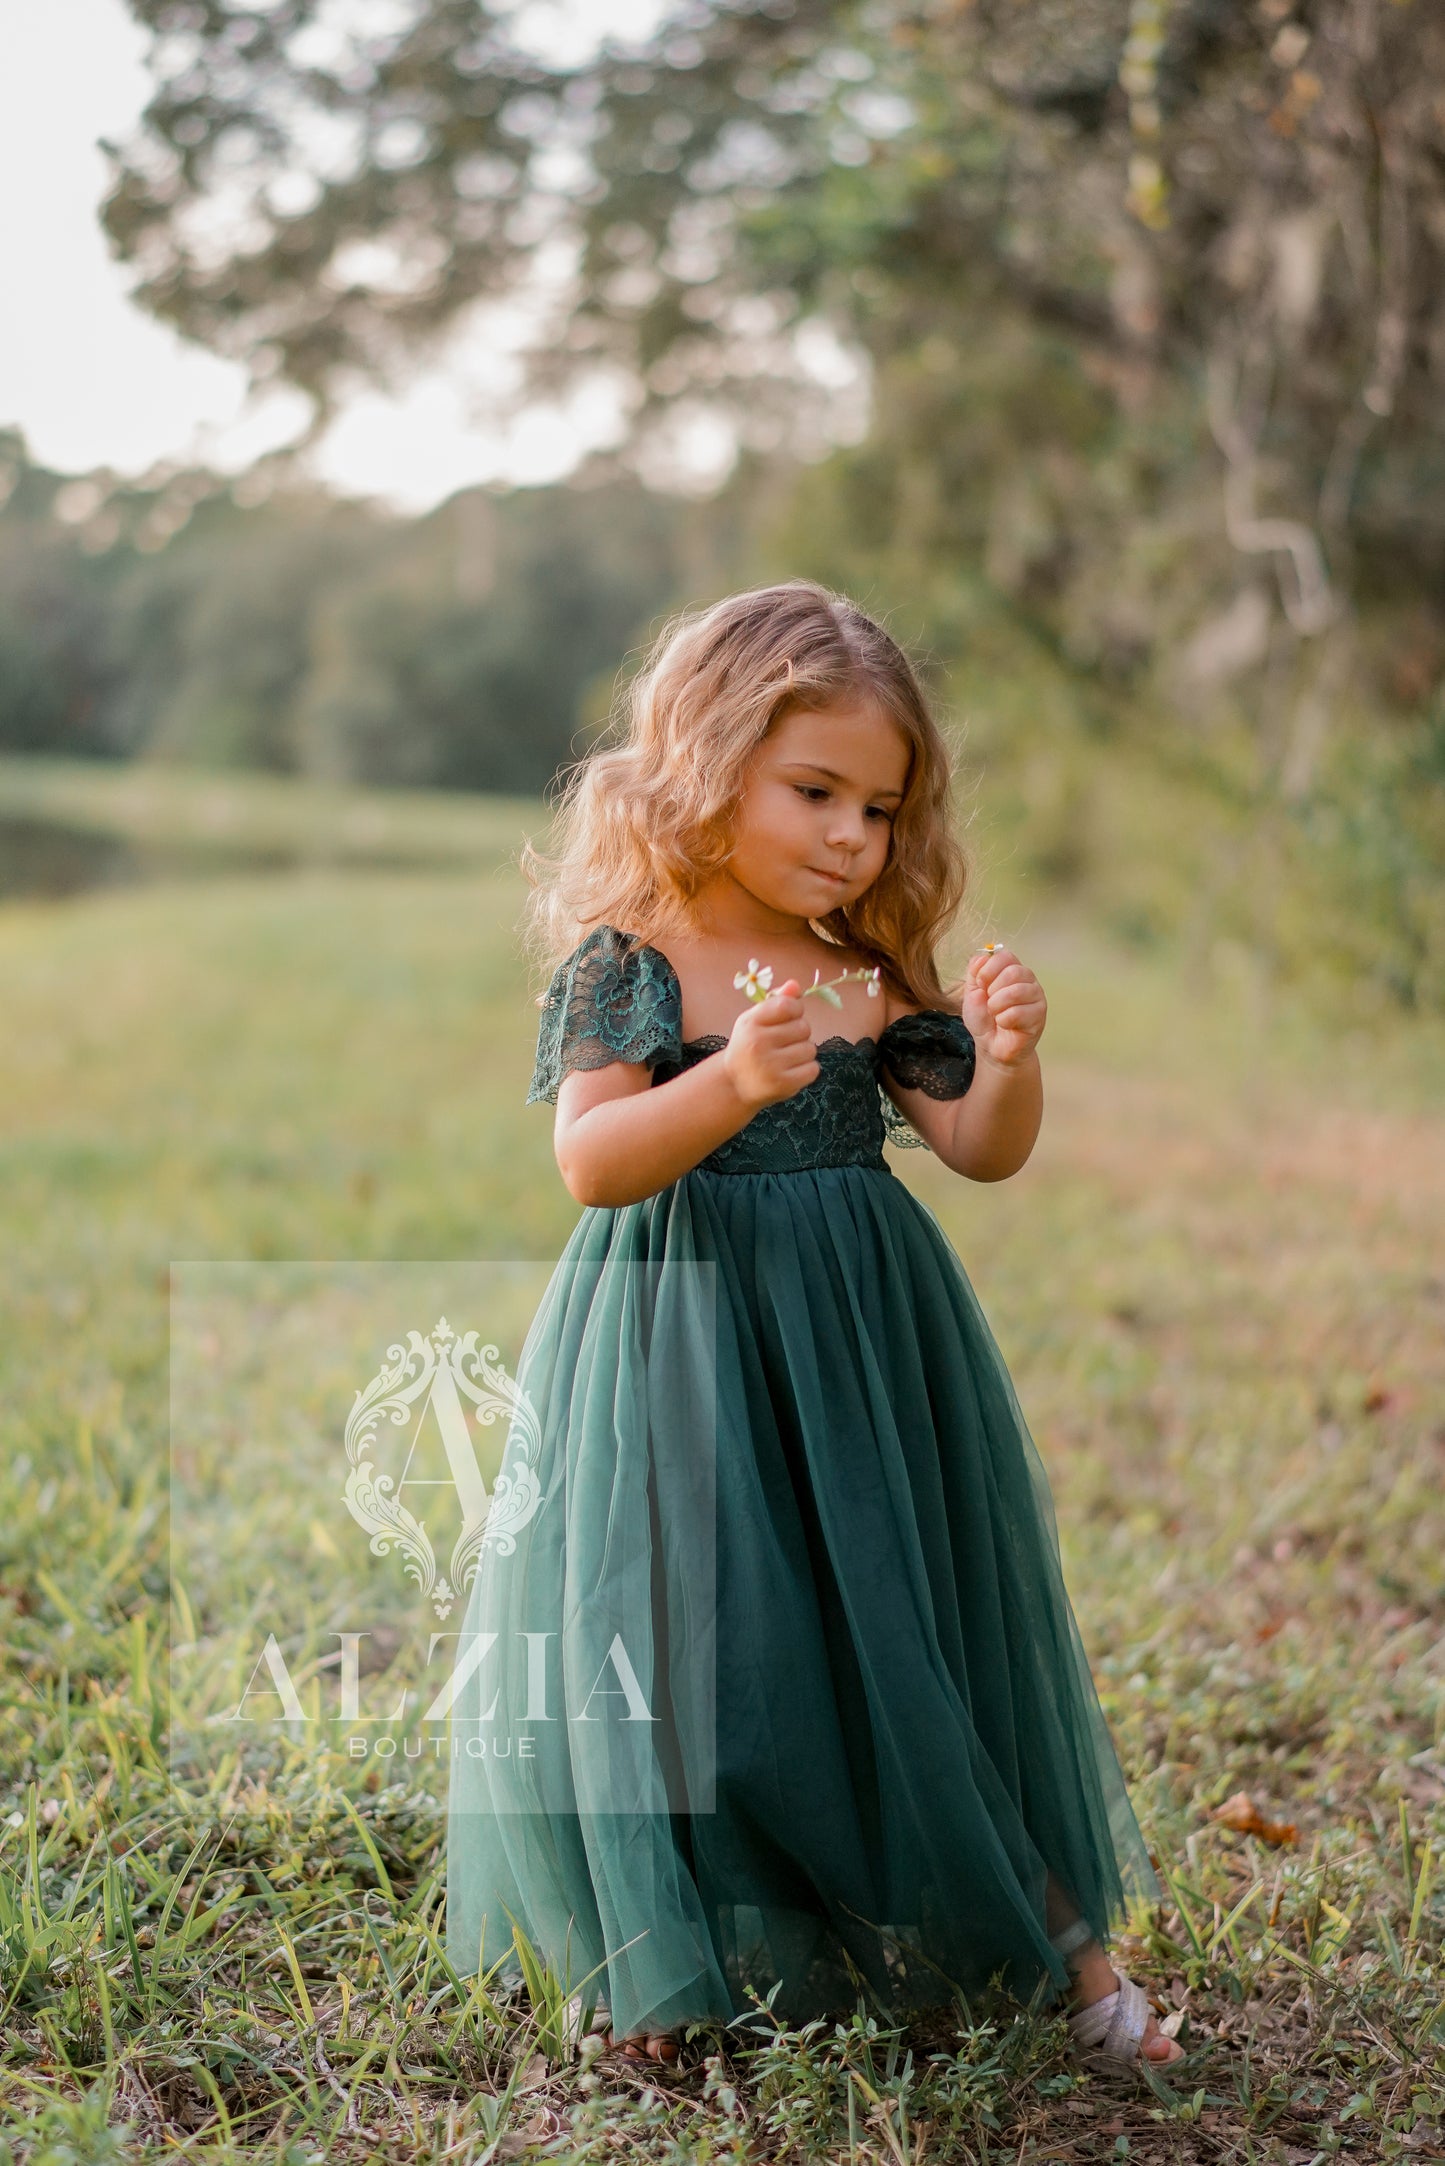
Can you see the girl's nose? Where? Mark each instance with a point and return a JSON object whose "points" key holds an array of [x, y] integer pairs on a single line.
{"points": [[846, 830]]}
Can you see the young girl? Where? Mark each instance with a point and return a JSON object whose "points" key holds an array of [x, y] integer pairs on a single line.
{"points": [[824, 1719]]}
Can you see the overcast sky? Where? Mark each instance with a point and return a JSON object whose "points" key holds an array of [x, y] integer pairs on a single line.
{"points": [[93, 382]]}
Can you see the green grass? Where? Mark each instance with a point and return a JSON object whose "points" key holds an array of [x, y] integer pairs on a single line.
{"points": [[230, 813], [1220, 1288]]}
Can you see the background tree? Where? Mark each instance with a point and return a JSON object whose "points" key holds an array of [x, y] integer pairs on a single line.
{"points": [[1147, 293], [465, 649], [1243, 205]]}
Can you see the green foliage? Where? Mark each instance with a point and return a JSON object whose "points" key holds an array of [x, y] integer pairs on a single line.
{"points": [[1182, 193], [468, 653], [304, 635], [1370, 853], [55, 608], [1147, 296]]}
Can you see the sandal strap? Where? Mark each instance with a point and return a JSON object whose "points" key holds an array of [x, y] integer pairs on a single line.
{"points": [[1089, 2027], [1113, 2028], [1130, 2020]]}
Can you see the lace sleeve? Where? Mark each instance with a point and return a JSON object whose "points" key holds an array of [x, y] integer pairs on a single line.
{"points": [[932, 1052], [612, 999]]}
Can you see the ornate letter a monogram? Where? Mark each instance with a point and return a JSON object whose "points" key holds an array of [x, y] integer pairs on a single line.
{"points": [[437, 1371]]}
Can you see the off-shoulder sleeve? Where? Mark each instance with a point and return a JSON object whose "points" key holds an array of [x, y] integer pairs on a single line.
{"points": [[612, 999], [932, 1052]]}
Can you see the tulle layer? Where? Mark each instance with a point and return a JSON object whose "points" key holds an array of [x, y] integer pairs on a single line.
{"points": [[785, 1688]]}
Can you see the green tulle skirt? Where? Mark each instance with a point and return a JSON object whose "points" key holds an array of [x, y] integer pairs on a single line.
{"points": [[776, 1684]]}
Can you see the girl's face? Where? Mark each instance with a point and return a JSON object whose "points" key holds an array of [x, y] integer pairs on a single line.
{"points": [[817, 812]]}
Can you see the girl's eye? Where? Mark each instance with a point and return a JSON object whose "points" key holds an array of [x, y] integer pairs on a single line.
{"points": [[812, 790]]}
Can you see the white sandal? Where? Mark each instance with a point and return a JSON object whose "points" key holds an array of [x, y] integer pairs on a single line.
{"points": [[1110, 2032]]}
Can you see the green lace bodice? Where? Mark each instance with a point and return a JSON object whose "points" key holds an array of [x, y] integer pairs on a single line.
{"points": [[615, 998]]}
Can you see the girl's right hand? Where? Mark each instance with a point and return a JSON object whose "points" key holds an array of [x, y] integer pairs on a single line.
{"points": [[770, 1052]]}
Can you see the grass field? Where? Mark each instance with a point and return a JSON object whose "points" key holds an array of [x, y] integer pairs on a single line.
{"points": [[1220, 1286]]}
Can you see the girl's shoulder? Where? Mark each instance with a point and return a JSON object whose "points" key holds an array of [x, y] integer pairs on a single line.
{"points": [[602, 947], [605, 959], [895, 1008], [929, 1049], [613, 998], [922, 1049], [600, 938]]}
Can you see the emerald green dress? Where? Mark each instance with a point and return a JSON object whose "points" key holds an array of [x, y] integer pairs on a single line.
{"points": [[779, 1691]]}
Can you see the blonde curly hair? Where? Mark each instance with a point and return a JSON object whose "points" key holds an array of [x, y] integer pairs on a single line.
{"points": [[648, 815]]}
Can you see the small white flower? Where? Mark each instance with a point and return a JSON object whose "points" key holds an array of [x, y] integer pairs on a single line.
{"points": [[755, 980], [873, 981]]}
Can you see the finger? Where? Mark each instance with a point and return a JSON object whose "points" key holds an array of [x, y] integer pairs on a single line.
{"points": [[794, 1047]]}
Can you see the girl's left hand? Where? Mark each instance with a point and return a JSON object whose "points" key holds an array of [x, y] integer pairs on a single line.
{"points": [[1003, 1006]]}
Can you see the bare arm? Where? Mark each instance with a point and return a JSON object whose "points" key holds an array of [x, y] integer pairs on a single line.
{"points": [[989, 1132], [618, 1137]]}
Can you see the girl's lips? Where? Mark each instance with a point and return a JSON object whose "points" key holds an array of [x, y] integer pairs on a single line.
{"points": [[840, 877]]}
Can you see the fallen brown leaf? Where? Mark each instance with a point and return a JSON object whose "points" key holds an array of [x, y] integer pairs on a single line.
{"points": [[1242, 1814], [517, 2142]]}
